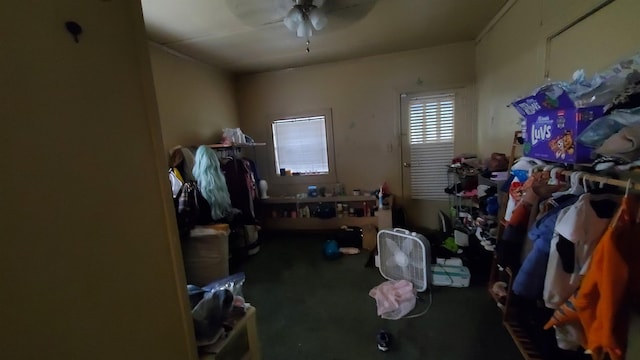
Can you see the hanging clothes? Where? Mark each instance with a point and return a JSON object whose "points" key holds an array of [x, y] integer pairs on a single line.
{"points": [[181, 159], [576, 234], [529, 281], [175, 179], [604, 299], [508, 249], [242, 187]]}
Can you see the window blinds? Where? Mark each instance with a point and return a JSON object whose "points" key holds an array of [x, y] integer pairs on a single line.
{"points": [[431, 137], [300, 145]]}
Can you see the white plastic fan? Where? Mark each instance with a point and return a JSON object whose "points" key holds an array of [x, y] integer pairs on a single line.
{"points": [[403, 255]]}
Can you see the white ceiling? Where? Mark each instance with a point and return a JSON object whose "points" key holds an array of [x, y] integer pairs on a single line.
{"points": [[249, 36]]}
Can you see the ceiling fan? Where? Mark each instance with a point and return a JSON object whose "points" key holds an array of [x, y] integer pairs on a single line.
{"points": [[329, 15]]}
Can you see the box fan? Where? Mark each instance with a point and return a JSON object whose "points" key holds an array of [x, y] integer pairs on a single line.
{"points": [[404, 255]]}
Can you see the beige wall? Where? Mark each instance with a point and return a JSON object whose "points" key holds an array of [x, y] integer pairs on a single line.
{"points": [[90, 266], [364, 96], [196, 101], [513, 55]]}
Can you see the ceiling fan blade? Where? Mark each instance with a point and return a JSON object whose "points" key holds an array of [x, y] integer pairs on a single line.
{"points": [[257, 13]]}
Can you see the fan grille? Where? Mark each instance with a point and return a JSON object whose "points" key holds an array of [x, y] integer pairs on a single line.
{"points": [[396, 249]]}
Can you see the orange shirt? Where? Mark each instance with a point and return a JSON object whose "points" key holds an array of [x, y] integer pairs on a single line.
{"points": [[603, 301]]}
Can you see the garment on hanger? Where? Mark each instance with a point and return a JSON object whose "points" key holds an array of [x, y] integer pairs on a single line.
{"points": [[529, 281], [188, 164], [242, 188], [604, 299], [175, 179], [509, 247], [576, 234]]}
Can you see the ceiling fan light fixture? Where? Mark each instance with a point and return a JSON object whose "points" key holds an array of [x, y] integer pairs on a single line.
{"points": [[304, 17], [318, 18], [294, 18], [304, 29]]}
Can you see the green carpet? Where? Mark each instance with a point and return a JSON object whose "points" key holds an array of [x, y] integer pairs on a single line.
{"points": [[311, 308]]}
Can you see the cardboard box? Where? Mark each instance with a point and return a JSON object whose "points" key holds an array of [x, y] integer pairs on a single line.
{"points": [[551, 135], [553, 124], [206, 255]]}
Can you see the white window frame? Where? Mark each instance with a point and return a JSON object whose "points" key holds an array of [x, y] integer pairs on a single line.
{"points": [[432, 152], [331, 177]]}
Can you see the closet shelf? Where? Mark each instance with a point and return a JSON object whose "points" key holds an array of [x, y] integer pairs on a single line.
{"points": [[318, 199], [230, 146]]}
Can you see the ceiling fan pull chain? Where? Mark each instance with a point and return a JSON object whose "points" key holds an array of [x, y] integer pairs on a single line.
{"points": [[308, 42]]}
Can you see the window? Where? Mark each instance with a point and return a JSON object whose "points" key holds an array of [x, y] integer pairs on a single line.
{"points": [[431, 140], [300, 145]]}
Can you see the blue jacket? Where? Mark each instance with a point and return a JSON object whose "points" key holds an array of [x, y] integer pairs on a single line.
{"points": [[529, 281]]}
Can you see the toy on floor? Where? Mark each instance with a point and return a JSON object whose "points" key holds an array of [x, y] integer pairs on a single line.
{"points": [[331, 250]]}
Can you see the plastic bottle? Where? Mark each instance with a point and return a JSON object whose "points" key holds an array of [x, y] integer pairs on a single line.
{"points": [[380, 200]]}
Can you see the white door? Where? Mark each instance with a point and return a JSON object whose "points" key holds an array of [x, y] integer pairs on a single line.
{"points": [[431, 132]]}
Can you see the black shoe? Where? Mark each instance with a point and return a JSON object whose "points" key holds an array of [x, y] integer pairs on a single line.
{"points": [[384, 341], [454, 189]]}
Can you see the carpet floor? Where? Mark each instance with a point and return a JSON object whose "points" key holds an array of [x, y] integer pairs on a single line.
{"points": [[310, 308]]}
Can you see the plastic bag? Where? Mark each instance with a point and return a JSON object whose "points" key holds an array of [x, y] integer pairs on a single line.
{"points": [[233, 136], [232, 283], [209, 315], [603, 128]]}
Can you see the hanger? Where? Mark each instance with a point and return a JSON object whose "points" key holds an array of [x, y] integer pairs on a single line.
{"points": [[535, 168], [614, 220], [626, 190], [552, 177], [584, 183], [574, 188], [602, 188]]}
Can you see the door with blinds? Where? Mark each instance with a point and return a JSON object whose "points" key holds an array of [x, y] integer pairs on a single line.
{"points": [[428, 136]]}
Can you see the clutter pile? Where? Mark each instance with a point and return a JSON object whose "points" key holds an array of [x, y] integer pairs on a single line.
{"points": [[474, 205], [214, 309], [586, 121]]}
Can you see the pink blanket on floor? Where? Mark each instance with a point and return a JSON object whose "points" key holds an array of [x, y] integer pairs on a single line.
{"points": [[394, 298]]}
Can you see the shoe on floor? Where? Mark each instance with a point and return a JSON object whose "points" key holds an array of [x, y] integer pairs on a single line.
{"points": [[384, 341]]}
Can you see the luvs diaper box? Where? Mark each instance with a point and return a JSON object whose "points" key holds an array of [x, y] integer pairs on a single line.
{"points": [[553, 123]]}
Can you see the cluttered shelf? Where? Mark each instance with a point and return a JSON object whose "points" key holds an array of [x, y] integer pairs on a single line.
{"points": [[318, 199], [304, 213]]}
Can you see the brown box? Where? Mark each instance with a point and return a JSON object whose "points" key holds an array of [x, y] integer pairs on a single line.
{"points": [[241, 343], [206, 254]]}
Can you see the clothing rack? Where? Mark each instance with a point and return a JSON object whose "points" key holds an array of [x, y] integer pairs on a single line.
{"points": [[521, 338], [598, 178], [605, 180]]}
